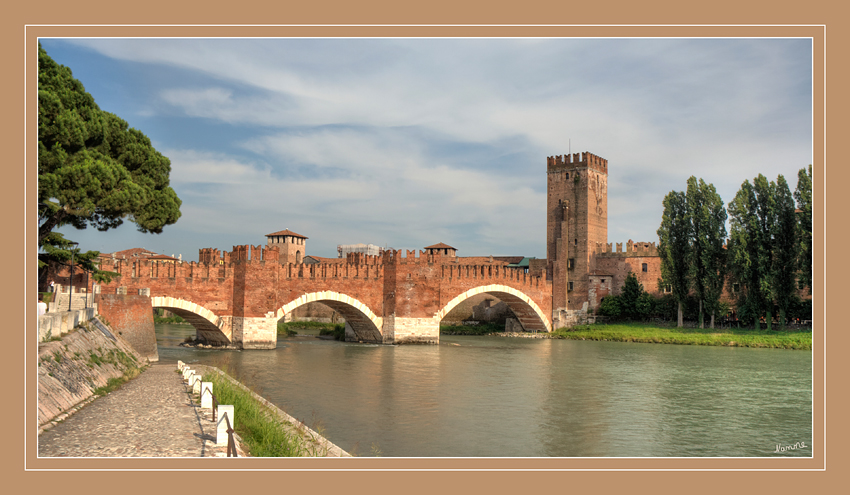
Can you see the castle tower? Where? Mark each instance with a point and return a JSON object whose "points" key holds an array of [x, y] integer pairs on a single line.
{"points": [[576, 220], [292, 246]]}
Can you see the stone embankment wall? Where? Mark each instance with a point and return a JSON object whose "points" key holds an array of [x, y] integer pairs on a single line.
{"points": [[58, 323], [71, 369]]}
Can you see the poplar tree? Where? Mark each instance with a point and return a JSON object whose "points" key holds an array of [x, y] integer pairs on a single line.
{"points": [[786, 248], [93, 169], [803, 195], [673, 247], [706, 256], [752, 220]]}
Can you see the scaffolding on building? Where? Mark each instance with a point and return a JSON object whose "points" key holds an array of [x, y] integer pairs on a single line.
{"points": [[368, 249]]}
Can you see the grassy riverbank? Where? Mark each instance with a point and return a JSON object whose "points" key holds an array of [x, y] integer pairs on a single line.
{"points": [[262, 432], [641, 332], [485, 329]]}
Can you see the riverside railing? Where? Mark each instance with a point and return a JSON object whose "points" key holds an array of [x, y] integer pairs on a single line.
{"points": [[222, 414]]}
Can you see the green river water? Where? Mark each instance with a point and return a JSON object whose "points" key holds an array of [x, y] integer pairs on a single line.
{"points": [[512, 397]]}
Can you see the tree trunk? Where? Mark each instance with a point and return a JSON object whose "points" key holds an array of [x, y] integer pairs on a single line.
{"points": [[782, 318], [712, 321], [701, 320], [680, 314]]}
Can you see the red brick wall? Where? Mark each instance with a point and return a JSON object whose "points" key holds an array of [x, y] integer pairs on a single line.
{"points": [[619, 267], [131, 315], [579, 182], [412, 286]]}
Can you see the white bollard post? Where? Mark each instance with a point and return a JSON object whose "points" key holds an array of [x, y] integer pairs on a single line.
{"points": [[206, 395], [221, 426], [180, 365], [196, 384], [190, 377]]}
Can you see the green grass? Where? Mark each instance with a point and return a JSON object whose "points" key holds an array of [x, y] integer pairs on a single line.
{"points": [[262, 432], [641, 332]]}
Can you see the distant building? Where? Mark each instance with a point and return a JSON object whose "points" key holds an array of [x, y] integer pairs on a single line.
{"points": [[442, 249], [367, 249]]}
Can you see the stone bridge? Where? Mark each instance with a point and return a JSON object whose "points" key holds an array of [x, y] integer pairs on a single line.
{"points": [[238, 297]]}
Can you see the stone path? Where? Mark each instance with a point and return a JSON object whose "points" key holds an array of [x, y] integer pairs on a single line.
{"points": [[152, 415]]}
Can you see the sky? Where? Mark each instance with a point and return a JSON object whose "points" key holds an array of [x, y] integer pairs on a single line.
{"points": [[405, 143]]}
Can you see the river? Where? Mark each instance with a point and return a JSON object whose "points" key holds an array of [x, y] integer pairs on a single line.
{"points": [[512, 397]]}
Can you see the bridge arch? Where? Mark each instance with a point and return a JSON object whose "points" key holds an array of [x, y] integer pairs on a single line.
{"points": [[526, 310], [365, 324], [210, 327]]}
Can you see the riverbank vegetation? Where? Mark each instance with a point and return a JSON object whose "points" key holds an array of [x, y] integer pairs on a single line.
{"points": [[263, 433], [649, 333], [290, 329], [483, 329], [159, 316]]}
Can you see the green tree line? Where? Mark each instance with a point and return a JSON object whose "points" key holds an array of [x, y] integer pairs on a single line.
{"points": [[766, 255]]}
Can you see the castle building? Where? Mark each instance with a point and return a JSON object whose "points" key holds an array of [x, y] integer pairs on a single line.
{"points": [[581, 264]]}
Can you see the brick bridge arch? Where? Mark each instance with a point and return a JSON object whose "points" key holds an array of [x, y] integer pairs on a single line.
{"points": [[211, 328], [526, 310], [365, 324]]}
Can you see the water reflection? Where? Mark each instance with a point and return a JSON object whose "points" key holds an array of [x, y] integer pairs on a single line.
{"points": [[489, 396]]}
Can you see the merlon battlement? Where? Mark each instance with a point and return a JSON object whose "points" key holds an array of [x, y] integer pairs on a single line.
{"points": [[576, 160], [632, 249]]}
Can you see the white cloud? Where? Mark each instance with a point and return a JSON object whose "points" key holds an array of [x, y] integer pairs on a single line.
{"points": [[357, 139]]}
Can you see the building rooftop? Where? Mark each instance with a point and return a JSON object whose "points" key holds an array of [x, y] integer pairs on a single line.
{"points": [[440, 246], [287, 232]]}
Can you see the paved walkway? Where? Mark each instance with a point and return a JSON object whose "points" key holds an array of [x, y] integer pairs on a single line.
{"points": [[152, 415]]}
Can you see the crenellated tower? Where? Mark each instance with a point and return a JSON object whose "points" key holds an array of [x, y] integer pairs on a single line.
{"points": [[292, 246], [576, 223]]}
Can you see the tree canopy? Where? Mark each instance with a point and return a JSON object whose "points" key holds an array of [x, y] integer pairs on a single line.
{"points": [[674, 237], [803, 195], [707, 255], [93, 169]]}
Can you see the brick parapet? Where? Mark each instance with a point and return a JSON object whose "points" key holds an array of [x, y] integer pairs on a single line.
{"points": [[560, 163], [631, 249]]}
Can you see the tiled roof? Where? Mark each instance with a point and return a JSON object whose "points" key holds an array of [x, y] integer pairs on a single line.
{"points": [[130, 253], [440, 246], [511, 260], [478, 260], [162, 257], [318, 259], [287, 232]]}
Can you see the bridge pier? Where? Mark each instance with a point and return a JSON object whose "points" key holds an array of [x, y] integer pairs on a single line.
{"points": [[255, 332], [399, 330]]}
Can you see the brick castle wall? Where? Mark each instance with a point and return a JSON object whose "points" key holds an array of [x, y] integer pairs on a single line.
{"points": [[131, 315]]}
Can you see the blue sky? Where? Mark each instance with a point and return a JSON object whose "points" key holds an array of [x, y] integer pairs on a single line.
{"points": [[409, 142]]}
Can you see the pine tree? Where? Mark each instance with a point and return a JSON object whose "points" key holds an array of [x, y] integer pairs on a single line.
{"points": [[93, 169]]}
